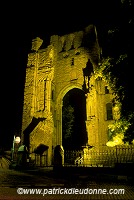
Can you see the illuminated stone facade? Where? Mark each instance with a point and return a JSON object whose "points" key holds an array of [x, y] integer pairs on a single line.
{"points": [[50, 74]]}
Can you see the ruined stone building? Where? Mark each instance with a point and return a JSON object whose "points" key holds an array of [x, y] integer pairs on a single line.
{"points": [[51, 72]]}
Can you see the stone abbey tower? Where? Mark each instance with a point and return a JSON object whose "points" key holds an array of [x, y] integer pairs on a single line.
{"points": [[51, 73]]}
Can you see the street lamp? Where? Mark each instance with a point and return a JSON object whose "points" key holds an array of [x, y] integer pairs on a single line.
{"points": [[16, 140]]}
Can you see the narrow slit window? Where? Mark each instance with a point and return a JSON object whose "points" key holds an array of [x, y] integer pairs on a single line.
{"points": [[52, 95], [72, 61], [45, 93], [109, 111]]}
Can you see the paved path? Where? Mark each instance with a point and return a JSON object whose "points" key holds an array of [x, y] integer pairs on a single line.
{"points": [[4, 163], [11, 181]]}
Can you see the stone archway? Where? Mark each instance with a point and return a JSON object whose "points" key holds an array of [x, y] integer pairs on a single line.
{"points": [[59, 105]]}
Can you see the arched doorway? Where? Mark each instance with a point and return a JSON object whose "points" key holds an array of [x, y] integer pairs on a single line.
{"points": [[74, 134]]}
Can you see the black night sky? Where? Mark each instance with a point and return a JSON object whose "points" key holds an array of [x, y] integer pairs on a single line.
{"points": [[19, 25]]}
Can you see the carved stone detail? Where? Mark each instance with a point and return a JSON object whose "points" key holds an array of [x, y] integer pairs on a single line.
{"points": [[36, 43]]}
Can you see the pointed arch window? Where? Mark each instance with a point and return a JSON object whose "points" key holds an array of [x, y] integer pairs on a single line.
{"points": [[106, 90]]}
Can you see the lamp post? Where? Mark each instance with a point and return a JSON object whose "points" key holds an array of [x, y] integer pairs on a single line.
{"points": [[16, 140]]}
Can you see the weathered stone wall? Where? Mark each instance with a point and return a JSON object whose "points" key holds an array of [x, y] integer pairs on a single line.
{"points": [[28, 97], [71, 59], [97, 123], [42, 134], [103, 123], [37, 100]]}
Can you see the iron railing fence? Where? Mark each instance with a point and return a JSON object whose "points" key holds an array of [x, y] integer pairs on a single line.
{"points": [[93, 157], [70, 156], [104, 156]]}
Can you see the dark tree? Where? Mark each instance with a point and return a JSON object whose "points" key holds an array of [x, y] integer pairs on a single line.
{"points": [[117, 50], [67, 126]]}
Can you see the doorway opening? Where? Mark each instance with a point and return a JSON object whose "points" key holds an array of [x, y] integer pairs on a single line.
{"points": [[74, 134]]}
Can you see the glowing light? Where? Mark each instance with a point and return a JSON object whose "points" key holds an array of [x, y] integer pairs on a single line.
{"points": [[110, 144], [116, 108], [17, 140], [117, 140]]}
